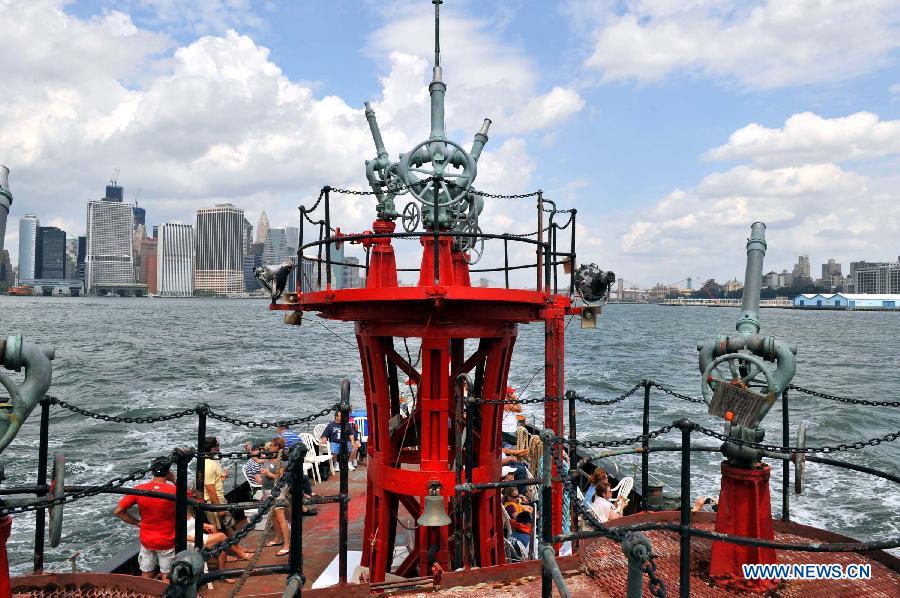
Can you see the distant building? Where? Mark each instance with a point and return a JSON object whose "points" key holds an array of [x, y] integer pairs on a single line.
{"points": [[484, 282], [292, 234], [140, 217], [801, 268], [175, 261], [109, 260], [770, 280], [253, 257], [149, 264], [218, 250], [155, 231], [308, 276], [80, 256], [877, 279], [262, 228], [114, 192], [732, 285], [830, 269], [849, 300], [50, 254], [248, 235], [7, 276], [28, 226], [350, 279], [275, 249], [6, 200]]}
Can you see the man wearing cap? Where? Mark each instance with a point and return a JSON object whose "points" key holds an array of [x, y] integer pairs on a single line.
{"points": [[157, 522]]}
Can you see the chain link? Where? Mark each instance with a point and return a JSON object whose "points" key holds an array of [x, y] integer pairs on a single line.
{"points": [[618, 399], [248, 423], [510, 196], [823, 395], [793, 450], [675, 394], [118, 482], [515, 401], [119, 419], [656, 585], [613, 443]]}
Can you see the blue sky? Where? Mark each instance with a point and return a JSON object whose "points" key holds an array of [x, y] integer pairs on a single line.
{"points": [[671, 126]]}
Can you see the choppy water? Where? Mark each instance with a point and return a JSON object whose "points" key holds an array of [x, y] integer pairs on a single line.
{"points": [[147, 357]]}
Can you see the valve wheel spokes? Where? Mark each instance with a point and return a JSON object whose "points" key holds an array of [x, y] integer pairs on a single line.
{"points": [[411, 217], [440, 153], [754, 364]]}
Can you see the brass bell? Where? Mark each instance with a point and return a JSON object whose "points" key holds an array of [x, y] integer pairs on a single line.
{"points": [[434, 515]]}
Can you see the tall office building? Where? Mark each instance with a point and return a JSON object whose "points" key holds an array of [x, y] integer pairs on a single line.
{"points": [[291, 235], [114, 192], [50, 254], [248, 235], [28, 226], [275, 249], [262, 228], [150, 263], [7, 276], [109, 258], [219, 250], [253, 257], [308, 276], [350, 278], [140, 217], [801, 268], [81, 255], [175, 260], [6, 200]]}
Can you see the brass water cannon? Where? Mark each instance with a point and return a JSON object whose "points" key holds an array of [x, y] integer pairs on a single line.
{"points": [[739, 382]]}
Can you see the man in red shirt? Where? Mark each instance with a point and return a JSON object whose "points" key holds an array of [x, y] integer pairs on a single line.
{"points": [[157, 522]]}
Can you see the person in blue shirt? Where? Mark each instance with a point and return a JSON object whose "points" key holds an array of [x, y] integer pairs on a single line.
{"points": [[332, 435], [290, 439]]}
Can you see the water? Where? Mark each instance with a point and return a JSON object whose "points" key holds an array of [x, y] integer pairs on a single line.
{"points": [[152, 356]]}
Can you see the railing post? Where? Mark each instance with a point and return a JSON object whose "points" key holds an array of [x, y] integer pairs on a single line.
{"points": [[470, 459], [572, 257], [319, 256], [181, 497], [299, 272], [547, 437], [295, 558], [342, 460], [40, 514], [573, 462], [786, 465], [684, 569], [645, 445], [506, 261], [540, 237], [328, 234], [553, 231], [200, 483], [636, 547]]}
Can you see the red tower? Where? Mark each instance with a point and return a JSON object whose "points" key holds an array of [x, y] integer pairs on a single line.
{"points": [[408, 455]]}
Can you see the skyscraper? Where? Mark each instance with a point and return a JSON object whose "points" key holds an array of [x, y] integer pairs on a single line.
{"points": [[109, 259], [275, 250], [175, 260], [150, 263], [114, 192], [219, 250], [291, 235], [28, 226], [140, 217], [262, 228], [248, 235], [801, 268], [50, 254], [79, 258], [6, 200], [253, 257], [7, 276]]}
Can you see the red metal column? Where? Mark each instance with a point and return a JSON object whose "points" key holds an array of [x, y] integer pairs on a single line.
{"points": [[5, 528], [745, 509], [554, 385], [382, 265]]}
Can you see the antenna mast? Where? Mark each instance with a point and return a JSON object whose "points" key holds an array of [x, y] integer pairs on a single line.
{"points": [[437, 31]]}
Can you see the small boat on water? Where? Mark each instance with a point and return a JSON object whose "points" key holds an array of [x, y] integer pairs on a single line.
{"points": [[20, 291]]}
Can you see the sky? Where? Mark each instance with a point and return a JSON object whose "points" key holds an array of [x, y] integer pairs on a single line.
{"points": [[670, 125]]}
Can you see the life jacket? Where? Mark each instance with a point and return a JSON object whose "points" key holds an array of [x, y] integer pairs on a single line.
{"points": [[517, 509]]}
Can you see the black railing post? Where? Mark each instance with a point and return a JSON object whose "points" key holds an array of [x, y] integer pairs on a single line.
{"points": [[40, 514], [548, 257], [343, 455], [645, 445], [540, 237], [299, 273], [554, 228], [573, 463], [200, 517], [319, 256], [181, 498], [547, 437], [572, 257], [506, 261], [684, 569], [328, 234], [295, 558], [786, 465]]}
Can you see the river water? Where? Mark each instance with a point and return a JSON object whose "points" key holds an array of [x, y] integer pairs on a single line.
{"points": [[141, 357]]}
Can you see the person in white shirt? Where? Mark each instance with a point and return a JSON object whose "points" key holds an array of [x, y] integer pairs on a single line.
{"points": [[602, 507], [210, 538]]}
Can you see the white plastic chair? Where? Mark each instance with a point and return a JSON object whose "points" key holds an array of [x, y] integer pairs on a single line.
{"points": [[317, 431], [623, 489], [313, 457], [317, 437], [255, 488]]}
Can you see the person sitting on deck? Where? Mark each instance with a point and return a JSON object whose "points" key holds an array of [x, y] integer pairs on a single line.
{"points": [[253, 465], [511, 411], [509, 473], [290, 439], [157, 522], [520, 516], [598, 475], [601, 505], [210, 538], [332, 435]]}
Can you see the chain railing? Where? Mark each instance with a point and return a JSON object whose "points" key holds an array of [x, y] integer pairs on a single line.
{"points": [[847, 400]]}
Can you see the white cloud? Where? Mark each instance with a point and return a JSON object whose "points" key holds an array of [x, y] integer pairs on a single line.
{"points": [[217, 120], [200, 16], [808, 137], [759, 44]]}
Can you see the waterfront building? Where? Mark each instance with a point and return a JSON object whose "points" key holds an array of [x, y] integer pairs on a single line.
{"points": [[50, 253], [174, 260], [109, 260], [6, 200], [253, 257], [262, 228], [219, 249], [150, 264], [770, 280], [733, 285], [350, 279], [7, 276], [28, 226], [140, 217], [883, 278], [848, 300]]}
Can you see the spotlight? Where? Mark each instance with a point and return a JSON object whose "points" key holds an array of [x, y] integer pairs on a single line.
{"points": [[274, 278], [593, 284]]}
